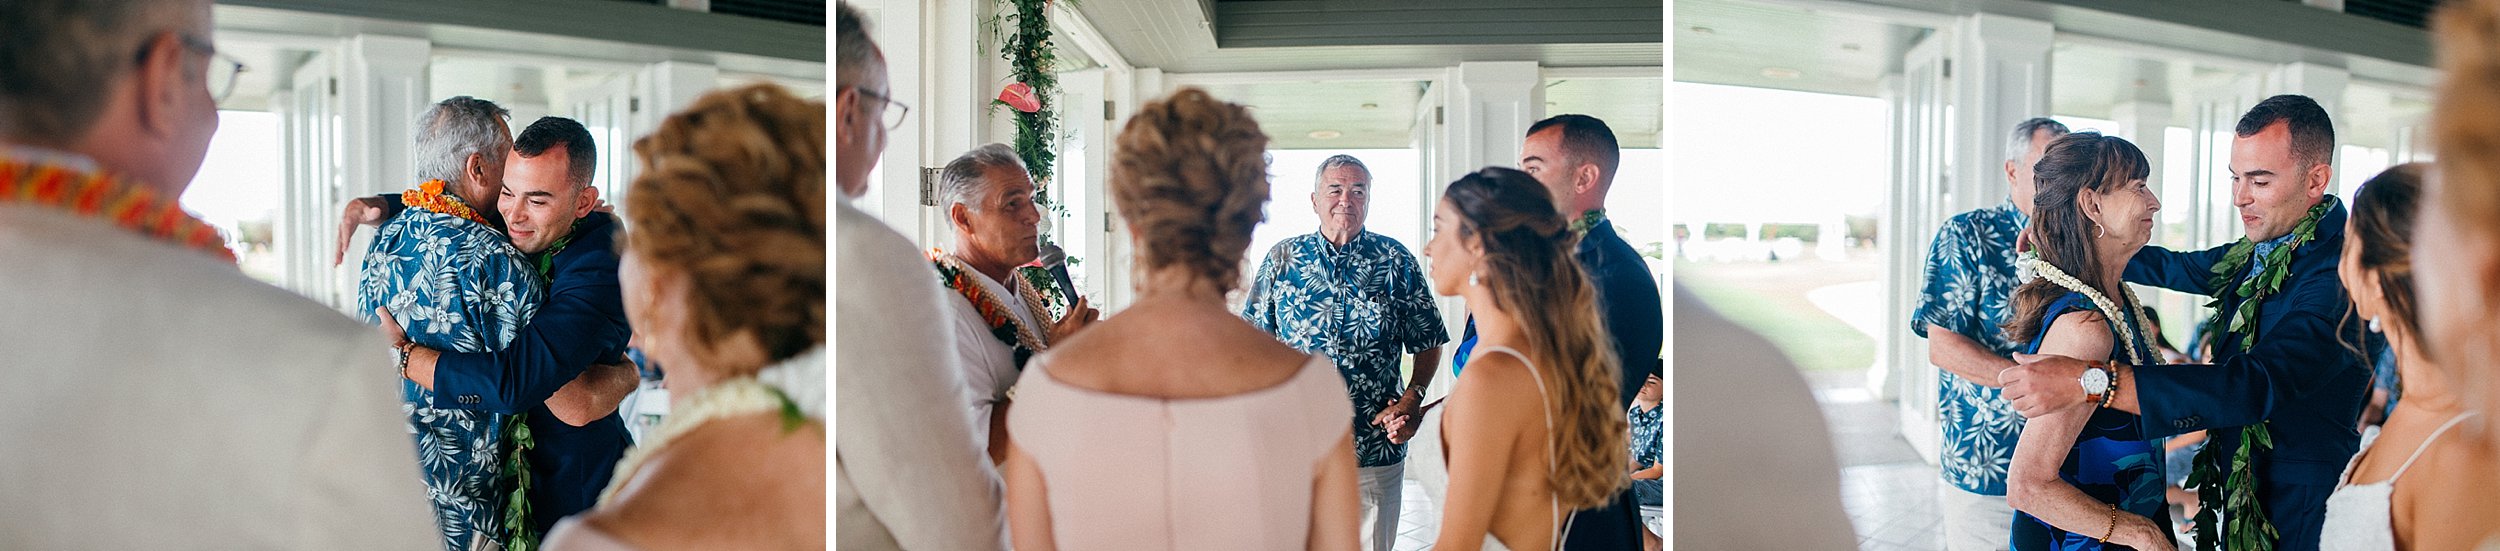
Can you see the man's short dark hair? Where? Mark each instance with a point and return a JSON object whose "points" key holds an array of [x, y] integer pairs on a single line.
{"points": [[581, 155], [2313, 134], [1585, 140]]}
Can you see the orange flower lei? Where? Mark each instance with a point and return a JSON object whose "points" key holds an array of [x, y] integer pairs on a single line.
{"points": [[110, 197], [1024, 340], [430, 196]]}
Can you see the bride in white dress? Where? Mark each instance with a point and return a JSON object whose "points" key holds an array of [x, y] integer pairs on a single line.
{"points": [[1533, 431]]}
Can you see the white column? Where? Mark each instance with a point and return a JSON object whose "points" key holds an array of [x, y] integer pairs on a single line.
{"points": [[2322, 83], [669, 86], [659, 90], [1488, 111], [2147, 124], [1119, 255], [2000, 76], [382, 92], [2319, 82]]}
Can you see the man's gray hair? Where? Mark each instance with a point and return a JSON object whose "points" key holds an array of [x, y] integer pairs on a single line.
{"points": [[854, 53], [454, 129], [2021, 144], [1335, 161], [967, 178], [57, 57]]}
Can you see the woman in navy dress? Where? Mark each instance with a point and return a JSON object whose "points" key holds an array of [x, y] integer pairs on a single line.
{"points": [[2085, 478]]}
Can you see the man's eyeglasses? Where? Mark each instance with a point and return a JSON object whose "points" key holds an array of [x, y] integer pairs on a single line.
{"points": [[223, 70], [894, 110]]}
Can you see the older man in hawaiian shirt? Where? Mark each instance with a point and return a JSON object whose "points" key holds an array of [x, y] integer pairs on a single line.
{"points": [[1357, 297], [444, 273], [1970, 285]]}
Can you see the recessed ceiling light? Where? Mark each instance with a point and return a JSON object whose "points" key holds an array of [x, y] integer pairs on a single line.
{"points": [[1697, 29], [1782, 73], [1326, 134]]}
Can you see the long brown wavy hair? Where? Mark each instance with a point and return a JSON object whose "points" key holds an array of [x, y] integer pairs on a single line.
{"points": [[732, 194], [2060, 231], [1529, 264]]}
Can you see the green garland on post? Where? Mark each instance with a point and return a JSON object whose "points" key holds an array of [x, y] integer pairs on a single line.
{"points": [[1030, 57], [1032, 60]]}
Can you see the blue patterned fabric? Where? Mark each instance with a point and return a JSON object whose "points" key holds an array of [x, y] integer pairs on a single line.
{"points": [[458, 286], [1969, 290], [2110, 461], [1363, 305], [1647, 446]]}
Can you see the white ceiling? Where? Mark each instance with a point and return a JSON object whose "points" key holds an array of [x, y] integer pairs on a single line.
{"points": [[1175, 36], [1758, 44]]}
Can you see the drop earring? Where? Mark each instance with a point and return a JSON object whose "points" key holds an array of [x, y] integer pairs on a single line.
{"points": [[1471, 279], [2374, 325]]}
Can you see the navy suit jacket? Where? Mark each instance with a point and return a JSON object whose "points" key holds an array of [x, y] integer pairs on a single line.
{"points": [[1628, 299], [2303, 374], [583, 321]]}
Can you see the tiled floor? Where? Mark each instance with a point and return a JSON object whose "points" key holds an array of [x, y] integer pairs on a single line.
{"points": [[1418, 519], [1893, 506], [1888, 491]]}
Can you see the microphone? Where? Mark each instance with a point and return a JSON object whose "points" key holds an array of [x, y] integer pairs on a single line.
{"points": [[1056, 261]]}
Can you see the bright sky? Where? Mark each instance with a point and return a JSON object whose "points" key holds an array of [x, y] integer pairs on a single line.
{"points": [[244, 176], [1762, 155]]}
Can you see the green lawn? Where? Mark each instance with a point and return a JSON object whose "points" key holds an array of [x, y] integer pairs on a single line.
{"points": [[1770, 298]]}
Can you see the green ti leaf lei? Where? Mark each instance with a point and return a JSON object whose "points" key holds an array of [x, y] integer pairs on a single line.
{"points": [[2226, 480], [519, 534], [1587, 221]]}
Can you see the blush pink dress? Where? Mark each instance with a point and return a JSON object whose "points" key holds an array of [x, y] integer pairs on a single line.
{"points": [[1128, 472]]}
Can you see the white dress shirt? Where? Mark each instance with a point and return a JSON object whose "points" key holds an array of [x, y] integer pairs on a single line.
{"points": [[989, 364]]}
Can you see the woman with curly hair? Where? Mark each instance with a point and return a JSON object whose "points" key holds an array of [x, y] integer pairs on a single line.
{"points": [[723, 277], [1176, 424], [1536, 429]]}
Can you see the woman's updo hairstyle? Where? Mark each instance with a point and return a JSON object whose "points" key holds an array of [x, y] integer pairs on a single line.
{"points": [[1189, 173], [732, 196]]}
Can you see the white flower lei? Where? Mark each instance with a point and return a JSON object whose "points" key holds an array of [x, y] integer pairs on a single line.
{"points": [[729, 398], [2126, 324]]}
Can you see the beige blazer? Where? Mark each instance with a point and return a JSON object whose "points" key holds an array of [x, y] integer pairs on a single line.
{"points": [[906, 472], [152, 397]]}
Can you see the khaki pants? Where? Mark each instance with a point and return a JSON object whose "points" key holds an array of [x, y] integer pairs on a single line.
{"points": [[1383, 490]]}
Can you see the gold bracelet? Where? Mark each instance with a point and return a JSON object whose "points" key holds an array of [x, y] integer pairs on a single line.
{"points": [[2113, 524]]}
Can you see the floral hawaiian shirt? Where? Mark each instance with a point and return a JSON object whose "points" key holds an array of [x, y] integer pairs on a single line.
{"points": [[1649, 445], [1969, 290], [1363, 305], [453, 285]]}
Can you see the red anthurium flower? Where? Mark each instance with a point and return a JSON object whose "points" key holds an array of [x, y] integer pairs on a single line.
{"points": [[1020, 96]]}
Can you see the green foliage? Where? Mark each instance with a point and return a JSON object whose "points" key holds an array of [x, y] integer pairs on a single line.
{"points": [[519, 536], [1025, 42]]}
